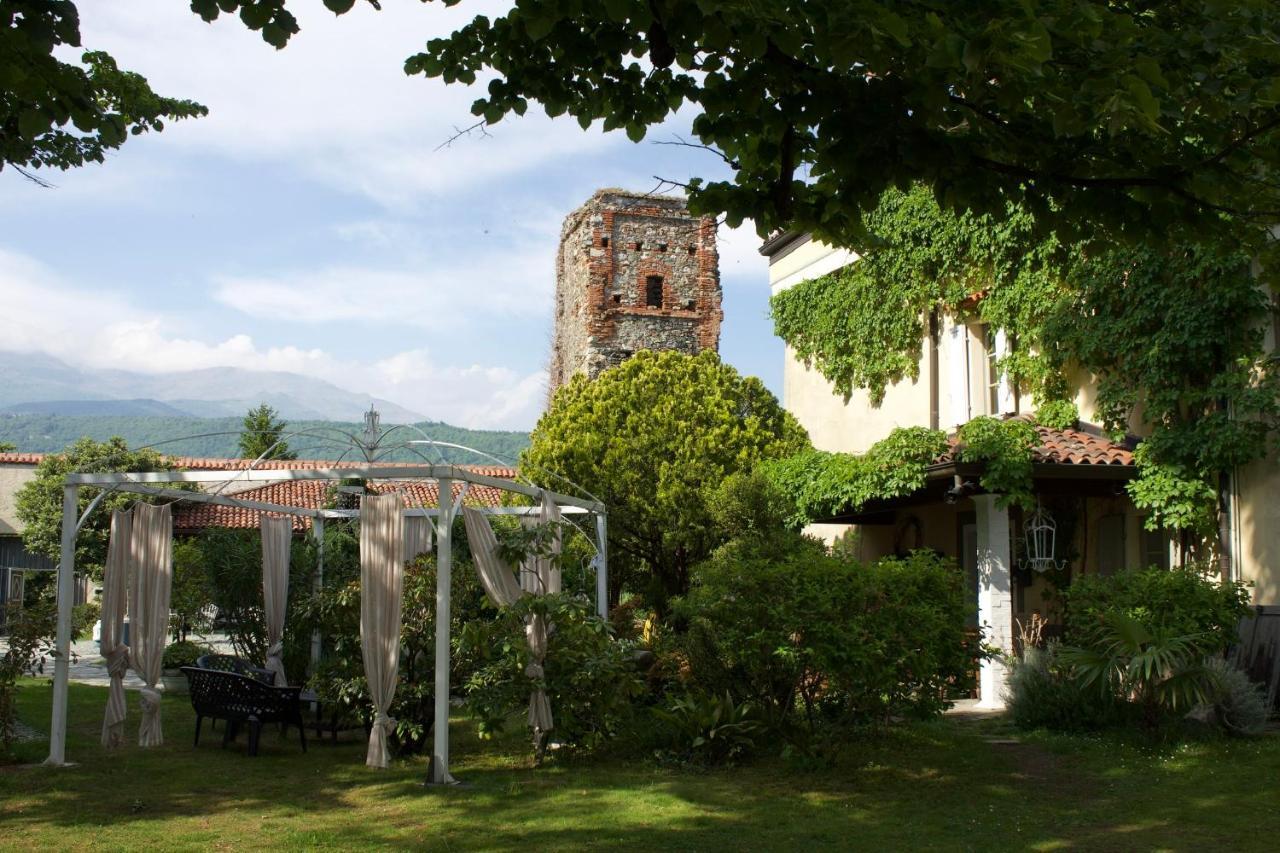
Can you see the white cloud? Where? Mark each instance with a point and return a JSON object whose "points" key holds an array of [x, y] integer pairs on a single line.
{"points": [[86, 328], [336, 103], [740, 258]]}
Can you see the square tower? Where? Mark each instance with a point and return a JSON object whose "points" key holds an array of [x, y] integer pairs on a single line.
{"points": [[634, 272]]}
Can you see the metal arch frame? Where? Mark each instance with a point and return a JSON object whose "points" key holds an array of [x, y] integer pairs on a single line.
{"points": [[154, 483]]}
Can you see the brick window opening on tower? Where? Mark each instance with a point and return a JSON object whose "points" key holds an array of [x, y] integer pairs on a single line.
{"points": [[653, 291]]}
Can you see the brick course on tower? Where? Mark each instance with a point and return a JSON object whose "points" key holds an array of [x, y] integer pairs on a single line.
{"points": [[634, 272]]}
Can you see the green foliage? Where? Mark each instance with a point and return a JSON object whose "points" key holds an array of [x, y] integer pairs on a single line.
{"points": [[709, 729], [335, 612], [1239, 705], [588, 675], [63, 114], [821, 484], [1057, 414], [39, 502], [8, 447], [1180, 602], [218, 437], [183, 653], [30, 629], [191, 594], [1004, 447], [233, 564], [651, 438], [1044, 694], [1152, 669], [1175, 334], [748, 504], [1089, 113], [800, 632], [262, 435]]}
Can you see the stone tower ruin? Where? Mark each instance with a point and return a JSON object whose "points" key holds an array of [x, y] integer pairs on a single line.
{"points": [[634, 272]]}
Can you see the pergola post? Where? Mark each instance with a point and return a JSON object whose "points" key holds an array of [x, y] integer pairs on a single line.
{"points": [[995, 597], [62, 643], [439, 773], [317, 584], [602, 565]]}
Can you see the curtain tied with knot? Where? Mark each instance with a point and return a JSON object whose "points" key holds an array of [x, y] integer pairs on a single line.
{"points": [[152, 558], [540, 575], [277, 535], [381, 584], [115, 600]]}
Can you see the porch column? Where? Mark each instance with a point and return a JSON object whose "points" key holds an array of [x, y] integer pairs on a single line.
{"points": [[995, 596], [438, 772], [62, 642], [602, 566]]}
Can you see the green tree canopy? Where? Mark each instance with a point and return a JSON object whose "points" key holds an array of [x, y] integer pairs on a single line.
{"points": [[262, 435], [39, 502], [1124, 114], [653, 438], [62, 114]]}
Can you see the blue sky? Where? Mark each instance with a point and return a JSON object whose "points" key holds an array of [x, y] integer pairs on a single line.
{"points": [[309, 224]]}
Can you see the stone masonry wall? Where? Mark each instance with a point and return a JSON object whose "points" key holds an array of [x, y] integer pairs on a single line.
{"points": [[612, 250]]}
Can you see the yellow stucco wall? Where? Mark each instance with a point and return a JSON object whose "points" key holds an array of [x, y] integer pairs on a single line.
{"points": [[1259, 520], [12, 478]]}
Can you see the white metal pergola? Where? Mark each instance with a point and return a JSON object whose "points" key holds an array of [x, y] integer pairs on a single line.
{"points": [[158, 483]]}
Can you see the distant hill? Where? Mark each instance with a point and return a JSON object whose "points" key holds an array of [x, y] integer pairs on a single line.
{"points": [[33, 378], [131, 408], [189, 436]]}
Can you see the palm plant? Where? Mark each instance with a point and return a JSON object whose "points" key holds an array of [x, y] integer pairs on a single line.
{"points": [[1154, 670]]}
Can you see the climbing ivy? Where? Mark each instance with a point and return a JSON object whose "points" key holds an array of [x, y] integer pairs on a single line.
{"points": [[1171, 334], [821, 485]]}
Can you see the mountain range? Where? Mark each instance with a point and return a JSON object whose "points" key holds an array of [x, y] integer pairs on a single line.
{"points": [[33, 383], [46, 404]]}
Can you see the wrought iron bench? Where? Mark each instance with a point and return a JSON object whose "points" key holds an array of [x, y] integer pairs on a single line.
{"points": [[239, 699], [240, 666]]}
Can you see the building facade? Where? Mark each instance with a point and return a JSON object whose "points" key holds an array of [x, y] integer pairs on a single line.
{"points": [[633, 272], [1079, 474]]}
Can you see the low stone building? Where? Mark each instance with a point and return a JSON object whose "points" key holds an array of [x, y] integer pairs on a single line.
{"points": [[634, 272]]}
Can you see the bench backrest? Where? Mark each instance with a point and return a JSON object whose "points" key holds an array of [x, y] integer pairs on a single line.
{"points": [[240, 666], [218, 693]]}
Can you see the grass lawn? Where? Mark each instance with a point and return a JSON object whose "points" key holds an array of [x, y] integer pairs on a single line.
{"points": [[951, 785]]}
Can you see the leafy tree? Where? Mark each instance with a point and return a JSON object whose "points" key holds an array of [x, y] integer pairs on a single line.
{"points": [[7, 447], [1128, 114], [262, 435], [651, 438], [62, 114], [39, 502]]}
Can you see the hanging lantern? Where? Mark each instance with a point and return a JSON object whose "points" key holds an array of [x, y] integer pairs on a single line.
{"points": [[1040, 536]]}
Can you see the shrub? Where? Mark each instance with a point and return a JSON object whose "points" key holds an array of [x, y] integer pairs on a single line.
{"points": [[589, 676], [798, 629], [1156, 672], [707, 728], [335, 612], [191, 598], [183, 653], [29, 628], [1042, 694], [1179, 602], [1240, 706]]}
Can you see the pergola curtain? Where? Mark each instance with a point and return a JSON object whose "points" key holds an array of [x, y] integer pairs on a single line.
{"points": [[418, 538], [115, 601], [152, 557], [539, 576], [277, 535], [381, 582]]}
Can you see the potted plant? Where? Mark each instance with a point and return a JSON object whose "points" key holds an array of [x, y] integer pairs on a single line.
{"points": [[178, 655]]}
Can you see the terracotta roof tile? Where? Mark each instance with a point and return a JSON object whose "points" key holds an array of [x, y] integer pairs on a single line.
{"points": [[1068, 447], [210, 463], [312, 494]]}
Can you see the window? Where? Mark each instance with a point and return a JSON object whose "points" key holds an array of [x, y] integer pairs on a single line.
{"points": [[604, 242], [1155, 546], [993, 375], [653, 291]]}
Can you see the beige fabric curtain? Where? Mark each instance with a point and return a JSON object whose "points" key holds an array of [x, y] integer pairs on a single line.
{"points": [[418, 537], [115, 601], [496, 577], [537, 576], [381, 583], [152, 558], [277, 536]]}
